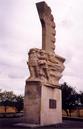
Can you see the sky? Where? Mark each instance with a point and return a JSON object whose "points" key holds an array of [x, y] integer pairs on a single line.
{"points": [[20, 30]]}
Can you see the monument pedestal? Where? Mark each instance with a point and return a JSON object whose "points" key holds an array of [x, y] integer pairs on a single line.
{"points": [[42, 103]]}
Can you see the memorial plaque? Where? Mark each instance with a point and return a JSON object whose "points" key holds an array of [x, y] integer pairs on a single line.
{"points": [[52, 103]]}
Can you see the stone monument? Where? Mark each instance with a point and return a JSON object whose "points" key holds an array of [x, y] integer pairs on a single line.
{"points": [[42, 102]]}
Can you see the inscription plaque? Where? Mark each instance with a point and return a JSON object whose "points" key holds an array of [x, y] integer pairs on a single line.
{"points": [[52, 103]]}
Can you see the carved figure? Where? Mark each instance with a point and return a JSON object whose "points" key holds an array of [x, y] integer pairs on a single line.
{"points": [[38, 64], [43, 64], [33, 63]]}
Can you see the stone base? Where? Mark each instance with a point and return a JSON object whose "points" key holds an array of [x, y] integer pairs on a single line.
{"points": [[42, 104], [34, 126]]}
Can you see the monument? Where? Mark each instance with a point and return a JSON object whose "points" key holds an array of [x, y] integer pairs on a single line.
{"points": [[42, 101]]}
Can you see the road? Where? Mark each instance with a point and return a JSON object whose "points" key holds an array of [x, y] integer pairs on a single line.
{"points": [[8, 123]]}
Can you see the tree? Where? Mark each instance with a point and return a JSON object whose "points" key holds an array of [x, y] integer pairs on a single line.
{"points": [[8, 98], [81, 97], [19, 104], [69, 98]]}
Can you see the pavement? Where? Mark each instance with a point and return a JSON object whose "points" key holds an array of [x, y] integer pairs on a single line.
{"points": [[12, 123]]}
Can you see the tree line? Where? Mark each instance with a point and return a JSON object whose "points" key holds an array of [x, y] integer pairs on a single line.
{"points": [[71, 99], [8, 98]]}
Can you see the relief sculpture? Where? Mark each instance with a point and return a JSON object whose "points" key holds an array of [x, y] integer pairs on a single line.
{"points": [[45, 66]]}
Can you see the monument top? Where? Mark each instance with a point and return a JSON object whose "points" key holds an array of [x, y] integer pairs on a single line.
{"points": [[44, 64], [48, 27]]}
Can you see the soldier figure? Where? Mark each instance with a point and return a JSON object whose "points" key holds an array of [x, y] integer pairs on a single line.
{"points": [[33, 63], [43, 64]]}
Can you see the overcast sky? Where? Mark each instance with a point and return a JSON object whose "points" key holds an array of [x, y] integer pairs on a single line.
{"points": [[20, 30]]}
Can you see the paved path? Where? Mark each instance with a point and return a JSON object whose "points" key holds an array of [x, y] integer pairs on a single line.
{"points": [[9, 122]]}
